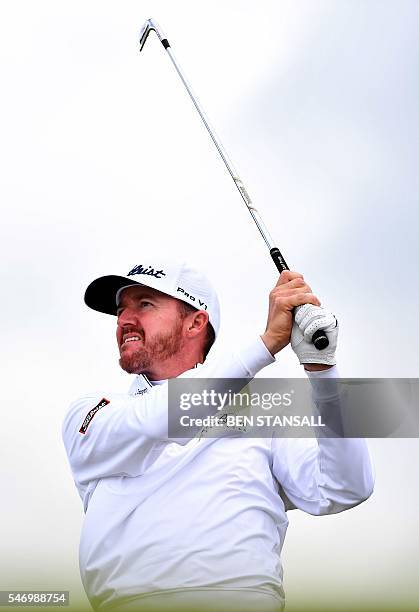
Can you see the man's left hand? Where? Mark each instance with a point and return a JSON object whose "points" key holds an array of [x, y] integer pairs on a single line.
{"points": [[308, 319]]}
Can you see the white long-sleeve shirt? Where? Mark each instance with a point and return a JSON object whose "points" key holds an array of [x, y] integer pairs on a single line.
{"points": [[201, 514]]}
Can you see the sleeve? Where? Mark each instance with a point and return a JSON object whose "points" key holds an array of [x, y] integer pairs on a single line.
{"points": [[325, 475], [244, 363], [116, 436], [123, 436]]}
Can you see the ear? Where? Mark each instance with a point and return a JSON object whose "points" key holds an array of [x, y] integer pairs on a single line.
{"points": [[196, 323]]}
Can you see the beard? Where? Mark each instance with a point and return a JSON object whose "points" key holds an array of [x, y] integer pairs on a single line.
{"points": [[159, 348]]}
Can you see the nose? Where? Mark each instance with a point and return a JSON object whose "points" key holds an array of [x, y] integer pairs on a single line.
{"points": [[127, 316]]}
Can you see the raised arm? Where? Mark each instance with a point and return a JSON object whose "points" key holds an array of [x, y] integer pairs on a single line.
{"points": [[123, 434], [327, 475]]}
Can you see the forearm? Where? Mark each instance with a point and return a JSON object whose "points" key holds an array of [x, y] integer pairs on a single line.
{"points": [[345, 474]]}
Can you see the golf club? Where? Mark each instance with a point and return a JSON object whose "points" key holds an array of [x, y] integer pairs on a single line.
{"points": [[319, 338]]}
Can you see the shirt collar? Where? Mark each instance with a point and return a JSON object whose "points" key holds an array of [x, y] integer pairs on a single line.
{"points": [[141, 384]]}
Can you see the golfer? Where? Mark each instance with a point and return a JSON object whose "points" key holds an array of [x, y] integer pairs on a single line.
{"points": [[199, 523]]}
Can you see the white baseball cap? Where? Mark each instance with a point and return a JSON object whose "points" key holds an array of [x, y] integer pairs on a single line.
{"points": [[180, 281]]}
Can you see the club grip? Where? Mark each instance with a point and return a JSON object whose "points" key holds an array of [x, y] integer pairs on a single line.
{"points": [[319, 338], [278, 260]]}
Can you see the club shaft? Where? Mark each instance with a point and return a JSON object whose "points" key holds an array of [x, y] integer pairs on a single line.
{"points": [[319, 338], [228, 164]]}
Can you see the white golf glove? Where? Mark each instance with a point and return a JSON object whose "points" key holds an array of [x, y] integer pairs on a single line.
{"points": [[308, 319]]}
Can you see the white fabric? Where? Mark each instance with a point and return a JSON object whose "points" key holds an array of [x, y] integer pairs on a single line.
{"points": [[205, 514], [204, 600], [308, 319]]}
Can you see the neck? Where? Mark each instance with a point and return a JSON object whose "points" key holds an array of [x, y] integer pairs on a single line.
{"points": [[173, 367]]}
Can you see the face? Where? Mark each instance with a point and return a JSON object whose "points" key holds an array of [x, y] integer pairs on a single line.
{"points": [[149, 331]]}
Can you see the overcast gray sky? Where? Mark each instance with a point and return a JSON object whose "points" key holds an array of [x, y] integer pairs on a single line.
{"points": [[104, 160]]}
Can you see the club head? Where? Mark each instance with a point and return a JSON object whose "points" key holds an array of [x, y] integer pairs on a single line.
{"points": [[149, 25], [145, 31]]}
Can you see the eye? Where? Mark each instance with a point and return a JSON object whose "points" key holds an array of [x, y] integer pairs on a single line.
{"points": [[144, 303]]}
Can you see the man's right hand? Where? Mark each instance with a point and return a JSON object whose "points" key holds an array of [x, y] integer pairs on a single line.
{"points": [[290, 291]]}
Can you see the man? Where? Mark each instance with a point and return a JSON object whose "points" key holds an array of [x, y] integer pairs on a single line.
{"points": [[197, 523]]}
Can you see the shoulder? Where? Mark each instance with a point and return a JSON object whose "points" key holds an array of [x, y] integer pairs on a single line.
{"points": [[85, 407], [92, 400]]}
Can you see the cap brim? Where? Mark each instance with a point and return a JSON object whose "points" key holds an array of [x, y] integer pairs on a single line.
{"points": [[101, 293]]}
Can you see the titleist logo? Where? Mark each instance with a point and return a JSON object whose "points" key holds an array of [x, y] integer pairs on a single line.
{"points": [[147, 270]]}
